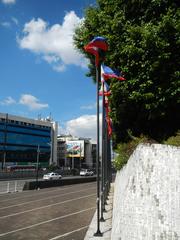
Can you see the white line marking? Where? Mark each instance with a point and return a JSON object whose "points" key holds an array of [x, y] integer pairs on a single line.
{"points": [[42, 193], [48, 221], [38, 200], [68, 233], [46, 206]]}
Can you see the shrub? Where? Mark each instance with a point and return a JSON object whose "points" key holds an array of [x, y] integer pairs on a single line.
{"points": [[174, 140], [124, 150]]}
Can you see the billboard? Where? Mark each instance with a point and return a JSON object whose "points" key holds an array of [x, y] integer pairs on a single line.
{"points": [[75, 148]]}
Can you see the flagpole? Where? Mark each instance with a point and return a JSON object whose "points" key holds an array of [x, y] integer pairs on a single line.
{"points": [[98, 77], [98, 46], [102, 160]]}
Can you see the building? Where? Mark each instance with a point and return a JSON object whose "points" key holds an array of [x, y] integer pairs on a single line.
{"points": [[73, 152], [23, 141]]}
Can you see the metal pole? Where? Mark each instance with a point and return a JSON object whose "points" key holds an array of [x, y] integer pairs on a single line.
{"points": [[37, 166], [105, 163], [72, 162], [80, 158], [98, 77], [102, 161], [5, 142], [110, 173]]}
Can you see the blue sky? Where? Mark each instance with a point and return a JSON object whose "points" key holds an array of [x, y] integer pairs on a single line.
{"points": [[41, 73]]}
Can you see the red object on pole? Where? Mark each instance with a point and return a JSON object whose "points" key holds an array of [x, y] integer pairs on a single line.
{"points": [[96, 47], [94, 51]]}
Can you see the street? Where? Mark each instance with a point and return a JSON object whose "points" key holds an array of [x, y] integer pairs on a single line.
{"points": [[54, 213], [16, 185]]}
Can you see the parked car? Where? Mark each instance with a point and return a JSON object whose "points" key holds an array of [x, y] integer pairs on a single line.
{"points": [[86, 172], [52, 176]]}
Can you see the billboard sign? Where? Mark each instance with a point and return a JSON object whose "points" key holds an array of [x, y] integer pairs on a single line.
{"points": [[75, 148]]}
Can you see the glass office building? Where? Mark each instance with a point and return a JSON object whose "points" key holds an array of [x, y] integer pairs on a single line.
{"points": [[22, 140]]}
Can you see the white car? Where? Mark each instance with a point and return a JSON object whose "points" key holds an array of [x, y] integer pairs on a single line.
{"points": [[86, 172], [52, 176]]}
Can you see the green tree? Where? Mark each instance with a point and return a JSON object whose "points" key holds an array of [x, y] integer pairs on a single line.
{"points": [[144, 42]]}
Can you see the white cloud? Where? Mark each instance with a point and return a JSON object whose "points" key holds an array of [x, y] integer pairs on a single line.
{"points": [[92, 106], [8, 1], [84, 126], [32, 102], [54, 43], [8, 101], [59, 68], [89, 107], [15, 20], [6, 24]]}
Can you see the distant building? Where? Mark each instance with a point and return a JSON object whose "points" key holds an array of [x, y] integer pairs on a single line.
{"points": [[73, 152], [21, 139]]}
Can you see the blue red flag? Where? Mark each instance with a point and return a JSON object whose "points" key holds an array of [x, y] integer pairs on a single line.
{"points": [[107, 91], [108, 73], [109, 126], [94, 46], [99, 42]]}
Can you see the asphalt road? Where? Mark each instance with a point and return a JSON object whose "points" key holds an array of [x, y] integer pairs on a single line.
{"points": [[16, 185], [55, 213]]}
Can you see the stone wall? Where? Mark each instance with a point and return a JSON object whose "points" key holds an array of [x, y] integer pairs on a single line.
{"points": [[147, 195]]}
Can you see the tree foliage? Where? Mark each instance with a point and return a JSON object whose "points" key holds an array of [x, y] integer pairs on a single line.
{"points": [[144, 42]]}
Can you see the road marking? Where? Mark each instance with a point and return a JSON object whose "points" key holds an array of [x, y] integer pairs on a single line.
{"points": [[42, 193], [24, 203], [46, 206], [44, 222], [68, 233]]}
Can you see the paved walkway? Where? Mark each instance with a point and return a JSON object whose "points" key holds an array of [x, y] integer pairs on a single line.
{"points": [[105, 227]]}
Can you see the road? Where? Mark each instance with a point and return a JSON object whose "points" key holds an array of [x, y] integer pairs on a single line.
{"points": [[55, 213], [16, 185]]}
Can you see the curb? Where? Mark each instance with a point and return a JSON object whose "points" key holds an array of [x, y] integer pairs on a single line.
{"points": [[105, 227]]}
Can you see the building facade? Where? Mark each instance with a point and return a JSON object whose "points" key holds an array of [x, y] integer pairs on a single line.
{"points": [[73, 152], [22, 140]]}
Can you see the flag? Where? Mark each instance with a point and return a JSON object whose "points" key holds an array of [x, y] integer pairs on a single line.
{"points": [[94, 51], [108, 73], [99, 42], [108, 110], [95, 45], [107, 91], [106, 102], [109, 126]]}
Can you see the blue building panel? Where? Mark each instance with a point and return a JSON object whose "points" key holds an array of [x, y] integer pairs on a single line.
{"points": [[21, 141]]}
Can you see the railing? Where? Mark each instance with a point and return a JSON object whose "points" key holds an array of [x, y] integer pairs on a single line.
{"points": [[11, 186]]}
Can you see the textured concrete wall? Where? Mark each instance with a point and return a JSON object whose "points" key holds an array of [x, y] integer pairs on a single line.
{"points": [[147, 195]]}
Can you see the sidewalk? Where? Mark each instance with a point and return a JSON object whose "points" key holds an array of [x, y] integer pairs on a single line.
{"points": [[105, 227]]}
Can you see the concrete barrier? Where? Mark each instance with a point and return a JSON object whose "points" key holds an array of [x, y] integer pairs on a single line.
{"points": [[56, 183], [147, 195]]}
